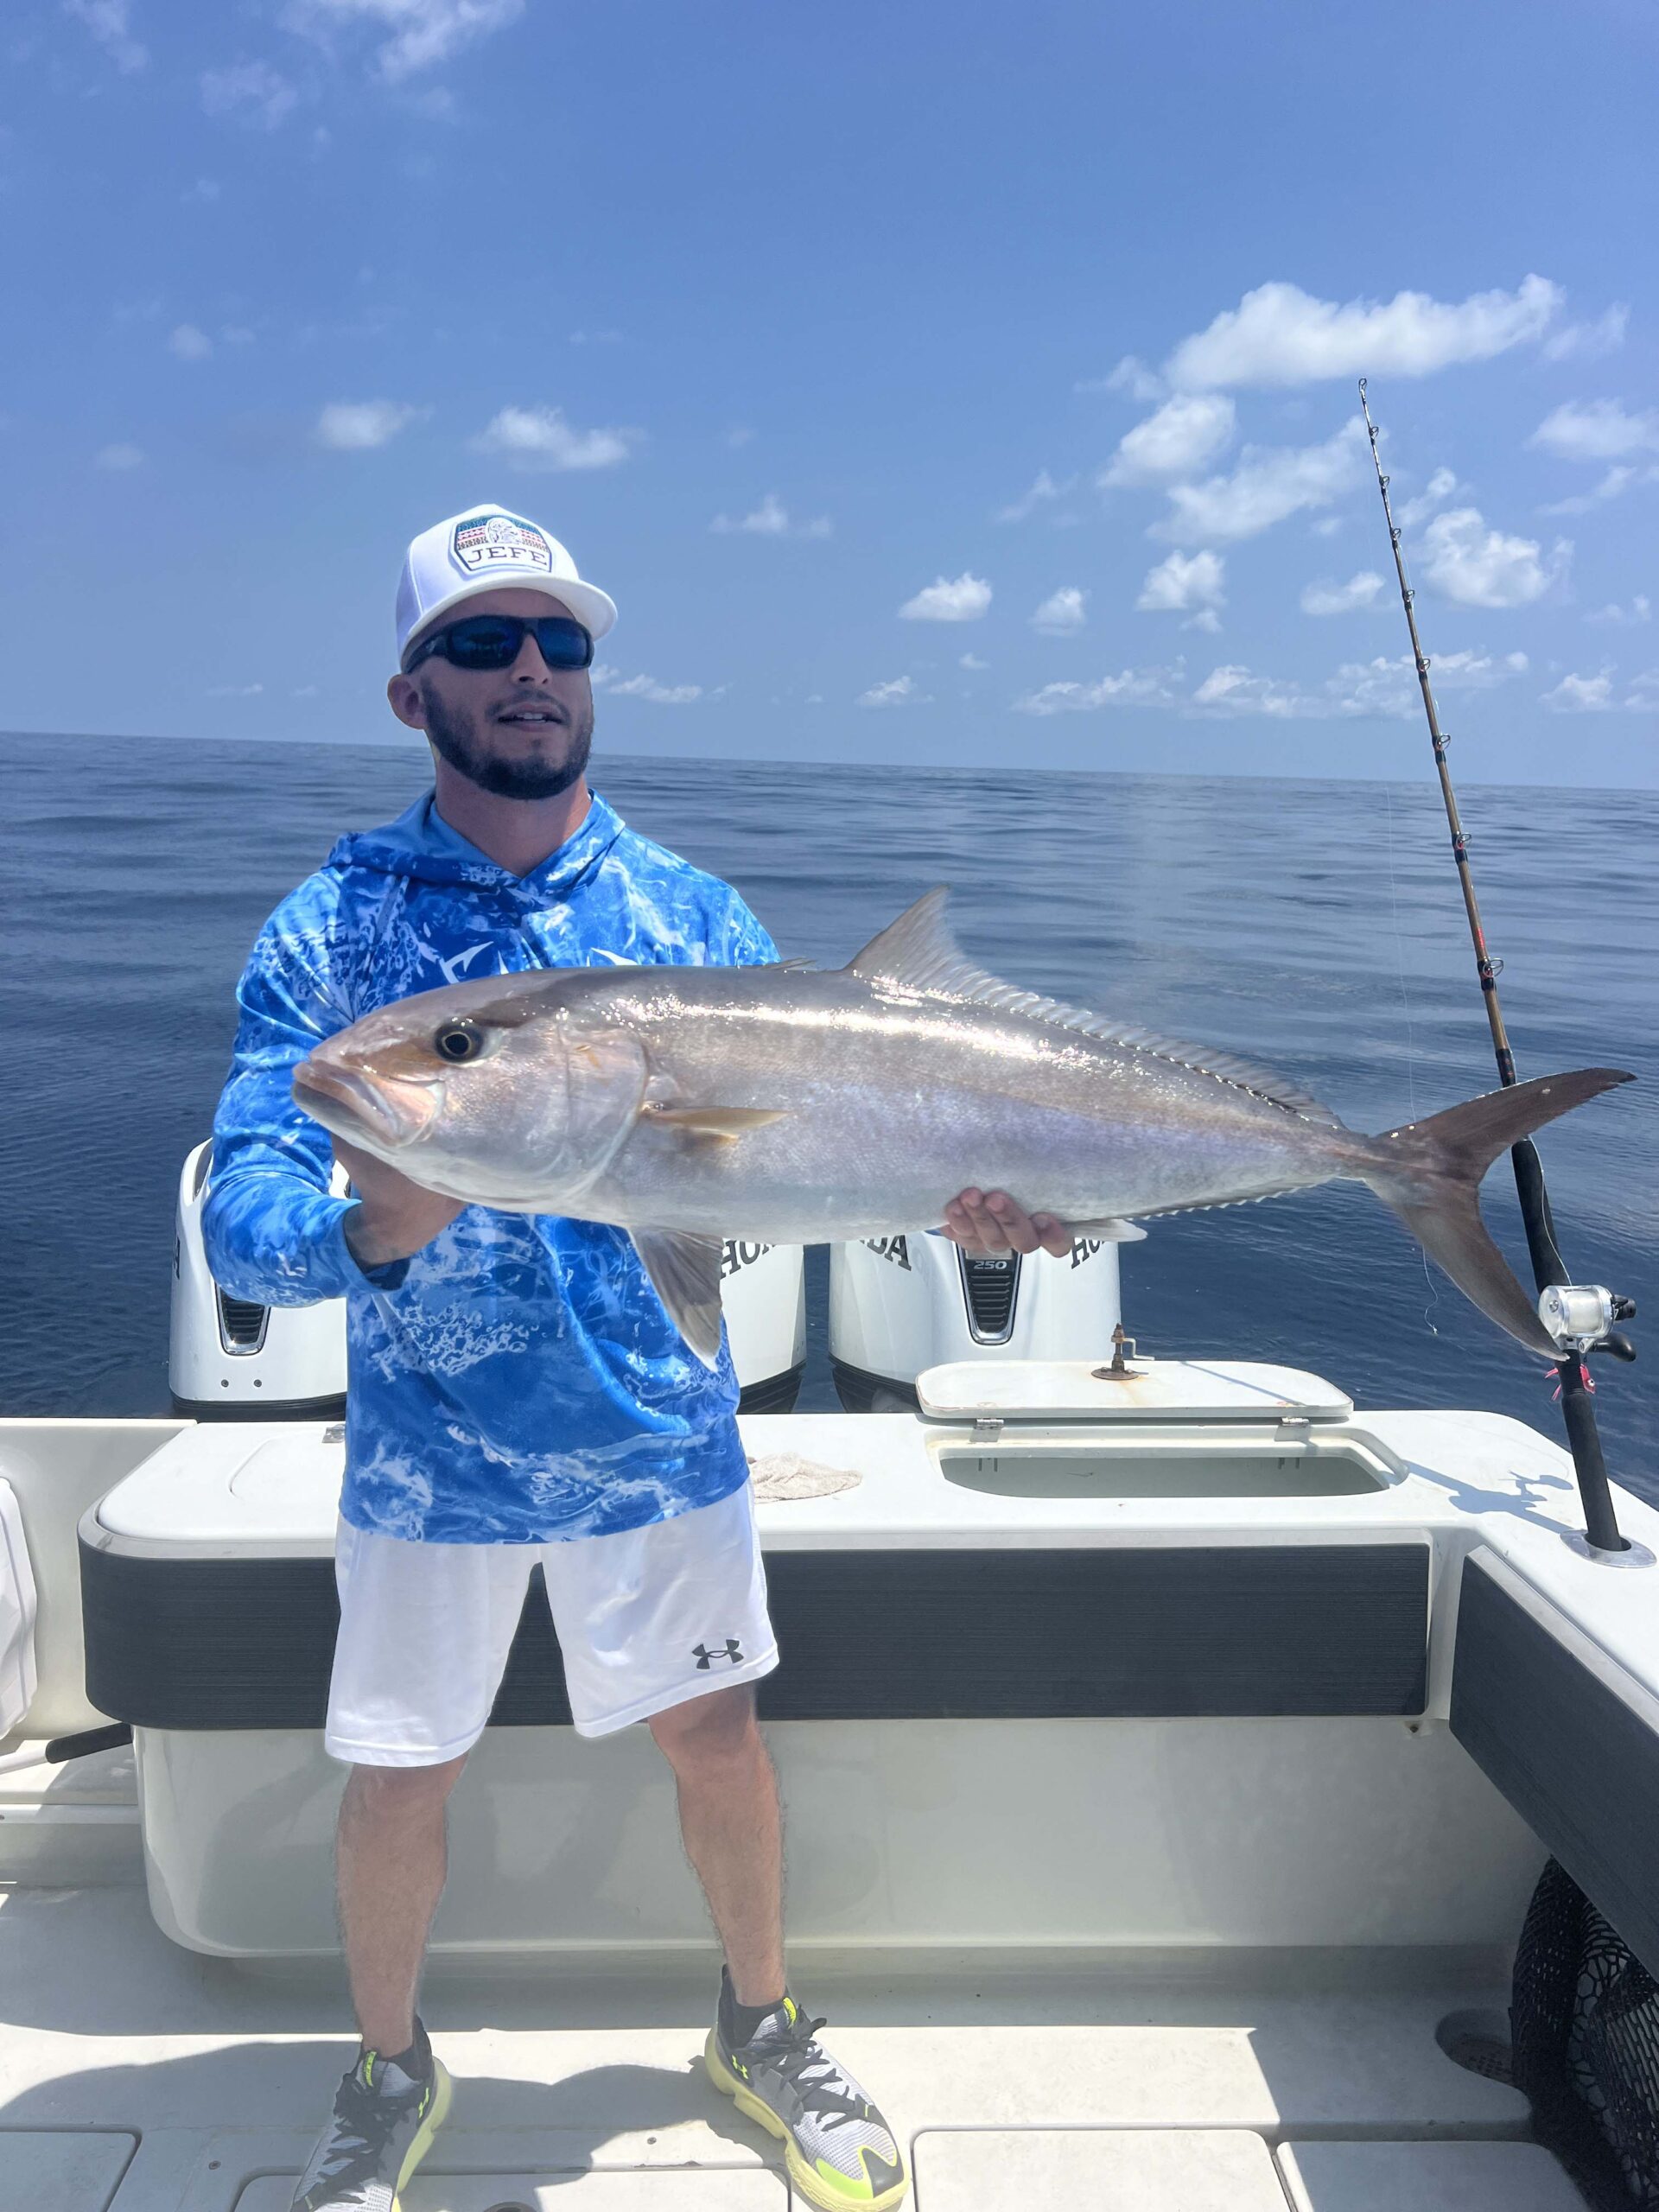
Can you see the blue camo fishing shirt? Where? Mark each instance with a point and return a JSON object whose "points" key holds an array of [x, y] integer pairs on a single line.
{"points": [[518, 1381]]}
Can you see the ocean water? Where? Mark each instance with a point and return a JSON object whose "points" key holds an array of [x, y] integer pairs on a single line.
{"points": [[1315, 926]]}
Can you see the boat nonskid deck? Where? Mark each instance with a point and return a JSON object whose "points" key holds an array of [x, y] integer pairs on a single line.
{"points": [[139, 2077]]}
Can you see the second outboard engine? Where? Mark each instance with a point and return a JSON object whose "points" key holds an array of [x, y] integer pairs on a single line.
{"points": [[229, 1357], [899, 1304]]}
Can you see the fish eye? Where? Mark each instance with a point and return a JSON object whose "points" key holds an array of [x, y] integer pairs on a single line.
{"points": [[458, 1041]]}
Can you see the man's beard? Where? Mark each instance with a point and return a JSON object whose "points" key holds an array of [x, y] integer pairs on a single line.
{"points": [[456, 742]]}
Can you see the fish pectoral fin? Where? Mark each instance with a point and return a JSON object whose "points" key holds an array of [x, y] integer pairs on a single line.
{"points": [[684, 1273], [1109, 1228], [728, 1122]]}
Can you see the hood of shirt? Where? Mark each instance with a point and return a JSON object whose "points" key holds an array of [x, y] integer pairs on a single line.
{"points": [[421, 845]]}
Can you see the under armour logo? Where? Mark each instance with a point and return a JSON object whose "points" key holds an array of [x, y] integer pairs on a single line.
{"points": [[706, 1658]]}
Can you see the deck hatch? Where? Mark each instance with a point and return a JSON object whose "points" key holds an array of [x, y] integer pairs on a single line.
{"points": [[1135, 1631], [46, 2168]]}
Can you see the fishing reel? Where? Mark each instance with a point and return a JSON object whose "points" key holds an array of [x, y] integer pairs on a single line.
{"points": [[1580, 1318]]}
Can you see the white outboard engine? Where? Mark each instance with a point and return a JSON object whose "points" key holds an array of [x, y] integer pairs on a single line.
{"points": [[763, 1291], [271, 1362], [899, 1304], [229, 1357]]}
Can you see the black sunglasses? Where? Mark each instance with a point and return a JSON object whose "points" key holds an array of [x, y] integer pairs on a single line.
{"points": [[487, 641]]}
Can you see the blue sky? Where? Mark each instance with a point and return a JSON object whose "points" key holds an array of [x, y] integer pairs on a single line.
{"points": [[930, 383]]}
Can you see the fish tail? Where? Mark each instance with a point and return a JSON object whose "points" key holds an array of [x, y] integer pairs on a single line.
{"points": [[1429, 1172]]}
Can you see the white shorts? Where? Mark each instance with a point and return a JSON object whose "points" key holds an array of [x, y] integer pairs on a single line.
{"points": [[645, 1619]]}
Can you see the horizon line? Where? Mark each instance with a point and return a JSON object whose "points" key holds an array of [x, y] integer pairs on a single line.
{"points": [[391, 743]]}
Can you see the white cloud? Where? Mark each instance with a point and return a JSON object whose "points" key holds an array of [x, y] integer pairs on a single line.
{"points": [[1133, 687], [595, 338], [1597, 429], [1132, 376], [1384, 687], [770, 519], [120, 457], [1270, 483], [107, 20], [1061, 613], [1389, 686], [1479, 566], [1232, 690], [738, 434], [422, 32], [360, 425], [187, 343], [1477, 671], [1040, 494], [251, 90], [972, 661], [1623, 617], [1362, 690], [1611, 484], [1598, 695], [202, 193], [1441, 486], [1326, 526], [1279, 334], [234, 690], [1186, 584], [900, 692], [1323, 598], [618, 686], [1184, 434], [539, 437], [1588, 341], [964, 601], [1581, 695]]}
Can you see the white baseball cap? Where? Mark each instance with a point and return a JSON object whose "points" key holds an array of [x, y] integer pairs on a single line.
{"points": [[488, 549]]}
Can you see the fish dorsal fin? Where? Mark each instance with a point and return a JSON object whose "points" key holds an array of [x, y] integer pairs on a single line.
{"points": [[918, 953]]}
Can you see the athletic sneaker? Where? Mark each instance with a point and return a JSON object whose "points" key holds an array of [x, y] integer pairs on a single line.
{"points": [[839, 2150], [386, 2113]]}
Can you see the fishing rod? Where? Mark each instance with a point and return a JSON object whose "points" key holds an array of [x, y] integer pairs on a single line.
{"points": [[1580, 1318]]}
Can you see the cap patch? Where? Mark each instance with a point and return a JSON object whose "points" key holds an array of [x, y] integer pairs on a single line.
{"points": [[501, 541]]}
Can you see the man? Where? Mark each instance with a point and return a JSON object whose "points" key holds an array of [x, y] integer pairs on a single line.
{"points": [[518, 1393]]}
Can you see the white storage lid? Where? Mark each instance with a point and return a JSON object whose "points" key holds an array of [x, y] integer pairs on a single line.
{"points": [[234, 1483], [1154, 1390]]}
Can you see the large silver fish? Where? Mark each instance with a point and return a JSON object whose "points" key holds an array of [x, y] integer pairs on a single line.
{"points": [[691, 1105]]}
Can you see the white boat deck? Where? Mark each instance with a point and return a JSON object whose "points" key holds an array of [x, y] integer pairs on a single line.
{"points": [[1194, 2073], [141, 2077]]}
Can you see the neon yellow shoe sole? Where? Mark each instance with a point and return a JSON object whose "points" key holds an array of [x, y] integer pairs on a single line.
{"points": [[838, 2195], [436, 2113]]}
